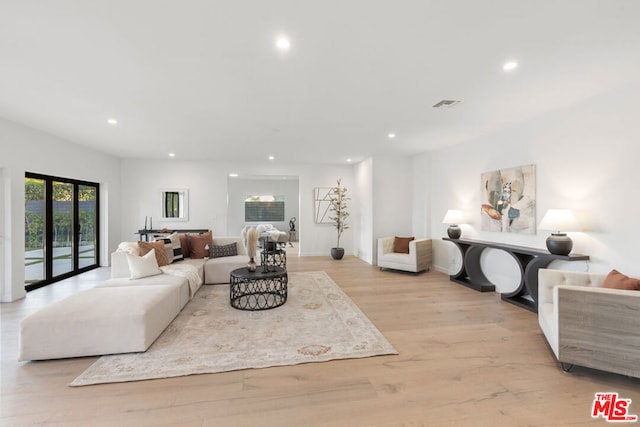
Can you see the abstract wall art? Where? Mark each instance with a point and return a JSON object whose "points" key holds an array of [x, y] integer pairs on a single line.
{"points": [[508, 198], [322, 203]]}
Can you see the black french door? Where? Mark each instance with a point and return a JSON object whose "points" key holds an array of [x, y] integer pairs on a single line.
{"points": [[61, 228]]}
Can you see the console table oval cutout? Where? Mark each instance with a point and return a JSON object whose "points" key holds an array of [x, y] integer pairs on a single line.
{"points": [[529, 261]]}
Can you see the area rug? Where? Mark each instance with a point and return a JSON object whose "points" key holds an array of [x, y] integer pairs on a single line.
{"points": [[318, 323]]}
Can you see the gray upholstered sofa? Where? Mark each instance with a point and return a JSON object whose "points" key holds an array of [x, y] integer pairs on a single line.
{"points": [[587, 325]]}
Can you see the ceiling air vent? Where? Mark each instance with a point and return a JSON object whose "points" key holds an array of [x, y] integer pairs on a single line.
{"points": [[446, 103]]}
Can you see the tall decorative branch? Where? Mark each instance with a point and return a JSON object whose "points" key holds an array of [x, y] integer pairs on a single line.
{"points": [[252, 242], [338, 207]]}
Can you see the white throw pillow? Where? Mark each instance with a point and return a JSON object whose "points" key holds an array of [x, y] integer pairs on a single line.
{"points": [[143, 266], [129, 247]]}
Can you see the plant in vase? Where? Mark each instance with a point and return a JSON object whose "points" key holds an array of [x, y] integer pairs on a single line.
{"points": [[252, 243], [338, 207]]}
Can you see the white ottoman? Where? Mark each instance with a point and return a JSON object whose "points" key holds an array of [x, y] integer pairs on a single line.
{"points": [[99, 321]]}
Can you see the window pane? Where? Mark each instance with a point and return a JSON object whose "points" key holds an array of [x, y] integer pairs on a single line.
{"points": [[87, 219], [265, 208], [62, 228], [34, 230], [172, 204]]}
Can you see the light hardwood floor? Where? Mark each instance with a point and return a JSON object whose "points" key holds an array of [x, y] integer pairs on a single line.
{"points": [[466, 358]]}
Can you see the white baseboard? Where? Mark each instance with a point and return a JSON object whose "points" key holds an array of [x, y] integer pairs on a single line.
{"points": [[441, 269]]}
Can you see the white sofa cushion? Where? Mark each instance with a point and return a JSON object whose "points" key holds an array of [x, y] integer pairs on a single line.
{"points": [[99, 321], [160, 280], [218, 270]]}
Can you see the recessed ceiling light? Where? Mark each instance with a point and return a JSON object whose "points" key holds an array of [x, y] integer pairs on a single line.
{"points": [[112, 121], [271, 157], [349, 160], [509, 66], [283, 43], [172, 154], [233, 175], [391, 135]]}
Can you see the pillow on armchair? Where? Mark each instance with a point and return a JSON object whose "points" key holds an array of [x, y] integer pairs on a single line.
{"points": [[401, 244]]}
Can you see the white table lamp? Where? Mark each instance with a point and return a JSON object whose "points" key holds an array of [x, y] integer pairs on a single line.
{"points": [[453, 218], [559, 221]]}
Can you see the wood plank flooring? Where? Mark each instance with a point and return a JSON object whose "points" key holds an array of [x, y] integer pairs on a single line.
{"points": [[466, 359]]}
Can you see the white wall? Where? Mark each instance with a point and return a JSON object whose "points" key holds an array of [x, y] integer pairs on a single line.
{"points": [[239, 188], [421, 214], [392, 183], [586, 157], [207, 184], [26, 150]]}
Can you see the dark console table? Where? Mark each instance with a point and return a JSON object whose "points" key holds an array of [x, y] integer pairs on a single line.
{"points": [[529, 260], [146, 233]]}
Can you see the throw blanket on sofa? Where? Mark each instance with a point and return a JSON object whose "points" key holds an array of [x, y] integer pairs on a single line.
{"points": [[187, 271]]}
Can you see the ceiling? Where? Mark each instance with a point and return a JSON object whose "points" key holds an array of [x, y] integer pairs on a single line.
{"points": [[204, 80]]}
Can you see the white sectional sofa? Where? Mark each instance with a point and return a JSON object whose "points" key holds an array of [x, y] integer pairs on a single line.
{"points": [[121, 315], [212, 270]]}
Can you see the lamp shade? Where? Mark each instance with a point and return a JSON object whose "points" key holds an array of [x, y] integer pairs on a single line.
{"points": [[559, 220], [453, 216]]}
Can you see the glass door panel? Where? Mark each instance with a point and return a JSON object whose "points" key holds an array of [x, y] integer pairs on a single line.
{"points": [[63, 230], [34, 230], [87, 197]]}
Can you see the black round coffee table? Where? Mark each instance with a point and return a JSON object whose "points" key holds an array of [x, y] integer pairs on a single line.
{"points": [[258, 290]]}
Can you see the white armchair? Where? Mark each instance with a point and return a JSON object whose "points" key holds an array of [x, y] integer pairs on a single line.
{"points": [[418, 259], [587, 325]]}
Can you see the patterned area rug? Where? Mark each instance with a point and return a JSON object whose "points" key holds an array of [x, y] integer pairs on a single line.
{"points": [[317, 323]]}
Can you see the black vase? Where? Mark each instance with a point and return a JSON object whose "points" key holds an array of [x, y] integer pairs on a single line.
{"points": [[337, 253]]}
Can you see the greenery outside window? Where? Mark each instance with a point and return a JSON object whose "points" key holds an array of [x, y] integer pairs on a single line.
{"points": [[61, 228]]}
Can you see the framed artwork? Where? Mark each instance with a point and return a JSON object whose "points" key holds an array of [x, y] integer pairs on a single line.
{"points": [[509, 200], [322, 202]]}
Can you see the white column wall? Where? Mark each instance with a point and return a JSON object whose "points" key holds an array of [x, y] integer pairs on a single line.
{"points": [[364, 189]]}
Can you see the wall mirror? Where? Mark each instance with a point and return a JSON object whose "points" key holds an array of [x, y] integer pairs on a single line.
{"points": [[175, 204]]}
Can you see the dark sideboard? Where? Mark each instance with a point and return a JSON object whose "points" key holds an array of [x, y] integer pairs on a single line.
{"points": [[529, 260], [146, 233]]}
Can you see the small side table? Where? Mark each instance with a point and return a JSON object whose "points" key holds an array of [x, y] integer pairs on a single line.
{"points": [[272, 256], [258, 290]]}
